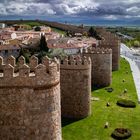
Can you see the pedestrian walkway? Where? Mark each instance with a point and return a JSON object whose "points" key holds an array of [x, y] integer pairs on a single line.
{"points": [[136, 75]]}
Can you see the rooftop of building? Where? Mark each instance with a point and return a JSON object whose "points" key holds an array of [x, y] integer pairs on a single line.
{"points": [[5, 35], [76, 42], [32, 43], [9, 47], [13, 45]]}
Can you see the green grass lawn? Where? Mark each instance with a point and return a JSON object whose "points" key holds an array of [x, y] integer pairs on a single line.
{"points": [[58, 31], [35, 23], [32, 24], [92, 127]]}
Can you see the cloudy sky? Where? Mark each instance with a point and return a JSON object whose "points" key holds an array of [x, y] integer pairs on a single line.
{"points": [[71, 9]]}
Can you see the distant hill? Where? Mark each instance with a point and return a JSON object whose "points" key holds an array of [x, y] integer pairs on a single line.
{"points": [[107, 22], [97, 22]]}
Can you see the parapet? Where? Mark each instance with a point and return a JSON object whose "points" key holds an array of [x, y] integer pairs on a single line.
{"points": [[20, 75], [75, 81], [96, 50], [75, 62], [107, 42], [110, 38]]}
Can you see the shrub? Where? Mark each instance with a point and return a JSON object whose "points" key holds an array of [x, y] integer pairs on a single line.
{"points": [[109, 89], [136, 43], [121, 133], [125, 91], [25, 54], [37, 28], [40, 55], [43, 44], [126, 103]]}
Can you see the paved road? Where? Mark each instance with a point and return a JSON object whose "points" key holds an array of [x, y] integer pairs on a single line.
{"points": [[125, 36], [134, 62], [125, 51]]}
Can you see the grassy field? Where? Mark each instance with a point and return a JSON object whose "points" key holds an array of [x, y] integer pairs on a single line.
{"points": [[92, 127], [35, 23], [32, 24], [59, 31]]}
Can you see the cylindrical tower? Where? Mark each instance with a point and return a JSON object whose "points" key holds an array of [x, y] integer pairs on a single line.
{"points": [[101, 60], [30, 101], [75, 81], [111, 41]]}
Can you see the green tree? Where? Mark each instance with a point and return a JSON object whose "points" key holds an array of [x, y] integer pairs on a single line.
{"points": [[85, 34], [25, 54], [136, 43], [43, 44], [40, 55], [67, 33], [93, 33], [37, 28]]}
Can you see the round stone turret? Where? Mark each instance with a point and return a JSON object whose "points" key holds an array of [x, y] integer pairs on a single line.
{"points": [[101, 60], [30, 100], [75, 81]]}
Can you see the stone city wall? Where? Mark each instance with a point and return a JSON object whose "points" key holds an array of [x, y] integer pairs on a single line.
{"points": [[30, 101], [112, 41], [75, 81], [101, 71]]}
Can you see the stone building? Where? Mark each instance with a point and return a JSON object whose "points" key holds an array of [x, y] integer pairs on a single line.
{"points": [[71, 46], [10, 49], [101, 60], [110, 40], [75, 84], [20, 27], [2, 25], [30, 101]]}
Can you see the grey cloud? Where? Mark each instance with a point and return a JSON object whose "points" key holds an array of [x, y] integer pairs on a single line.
{"points": [[90, 8]]}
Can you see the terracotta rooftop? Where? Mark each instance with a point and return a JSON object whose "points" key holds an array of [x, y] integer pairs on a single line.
{"points": [[15, 42], [9, 47], [71, 42], [32, 43], [13, 45], [4, 35]]}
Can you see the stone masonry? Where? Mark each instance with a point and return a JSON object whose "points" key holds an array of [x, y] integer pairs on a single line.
{"points": [[30, 101], [101, 72], [75, 84], [112, 41]]}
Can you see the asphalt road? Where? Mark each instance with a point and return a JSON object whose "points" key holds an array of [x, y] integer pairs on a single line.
{"points": [[134, 62], [125, 51]]}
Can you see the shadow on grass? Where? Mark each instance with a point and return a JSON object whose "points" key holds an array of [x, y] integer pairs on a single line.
{"points": [[66, 121], [97, 88]]}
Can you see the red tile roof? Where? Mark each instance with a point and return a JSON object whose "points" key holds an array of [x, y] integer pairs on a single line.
{"points": [[71, 42], [14, 45], [9, 47]]}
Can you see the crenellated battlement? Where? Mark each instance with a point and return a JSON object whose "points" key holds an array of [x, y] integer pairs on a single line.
{"points": [[107, 34], [108, 42], [93, 50], [108, 37], [101, 71], [75, 62], [30, 95], [112, 41], [75, 81], [111, 35], [20, 75]]}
